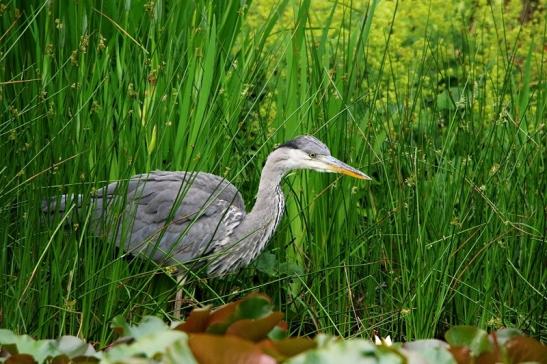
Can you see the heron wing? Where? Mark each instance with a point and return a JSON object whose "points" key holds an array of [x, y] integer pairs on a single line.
{"points": [[173, 216]]}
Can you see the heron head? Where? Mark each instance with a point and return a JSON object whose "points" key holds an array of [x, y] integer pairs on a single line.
{"points": [[308, 152]]}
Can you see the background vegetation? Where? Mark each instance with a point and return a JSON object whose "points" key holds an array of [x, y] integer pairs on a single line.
{"points": [[443, 103]]}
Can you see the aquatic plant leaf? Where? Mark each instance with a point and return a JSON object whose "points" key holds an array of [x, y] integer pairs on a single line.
{"points": [[221, 318], [226, 349], [431, 351], [148, 325], [40, 350], [526, 349], [151, 345], [73, 347], [179, 352], [468, 336], [287, 348], [506, 334], [252, 306], [20, 359], [461, 354], [197, 321], [279, 332], [254, 329], [358, 351], [425, 344]]}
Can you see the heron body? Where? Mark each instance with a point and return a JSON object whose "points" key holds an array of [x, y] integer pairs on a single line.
{"points": [[184, 217]]}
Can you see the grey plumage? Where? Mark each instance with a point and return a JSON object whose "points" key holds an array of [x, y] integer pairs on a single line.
{"points": [[181, 217]]}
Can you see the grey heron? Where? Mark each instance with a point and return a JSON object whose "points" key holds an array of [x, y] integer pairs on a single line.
{"points": [[180, 217]]}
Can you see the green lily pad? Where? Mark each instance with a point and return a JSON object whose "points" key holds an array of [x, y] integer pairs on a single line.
{"points": [[254, 306], [151, 345], [358, 351], [179, 352], [431, 351], [40, 350], [471, 337], [73, 347], [148, 325], [279, 332]]}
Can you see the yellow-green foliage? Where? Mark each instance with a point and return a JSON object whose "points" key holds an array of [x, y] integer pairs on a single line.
{"points": [[470, 40]]}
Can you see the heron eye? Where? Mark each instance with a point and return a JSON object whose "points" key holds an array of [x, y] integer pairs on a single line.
{"points": [[312, 155]]}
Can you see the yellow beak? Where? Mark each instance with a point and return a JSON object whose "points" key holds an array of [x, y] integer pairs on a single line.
{"points": [[337, 166]]}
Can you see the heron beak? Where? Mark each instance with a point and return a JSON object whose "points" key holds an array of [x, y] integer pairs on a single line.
{"points": [[337, 166]]}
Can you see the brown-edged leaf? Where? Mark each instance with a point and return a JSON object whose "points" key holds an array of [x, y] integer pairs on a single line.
{"points": [[61, 359], [84, 360], [287, 348], [283, 325], [252, 306], [461, 354], [222, 314], [254, 330], [494, 355], [197, 321], [523, 349], [489, 358], [20, 359], [226, 350]]}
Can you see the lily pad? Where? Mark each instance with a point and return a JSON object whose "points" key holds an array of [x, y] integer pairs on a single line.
{"points": [[73, 347], [148, 325], [287, 348], [279, 332], [152, 345], [356, 351], [197, 321], [431, 351], [252, 306], [40, 350], [216, 349], [525, 349], [255, 329], [504, 335], [471, 337]]}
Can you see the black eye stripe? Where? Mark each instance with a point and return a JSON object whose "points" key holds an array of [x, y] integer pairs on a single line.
{"points": [[291, 144]]}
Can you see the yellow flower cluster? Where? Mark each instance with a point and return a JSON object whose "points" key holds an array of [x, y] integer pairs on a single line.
{"points": [[479, 43]]}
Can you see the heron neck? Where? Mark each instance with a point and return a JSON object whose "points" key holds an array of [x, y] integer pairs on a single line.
{"points": [[251, 236], [262, 220], [268, 188]]}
